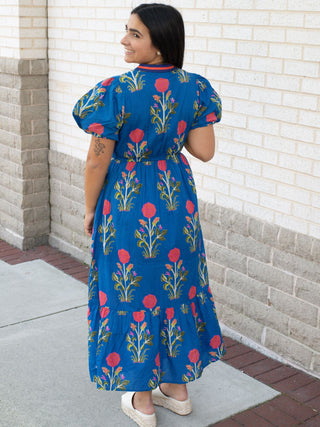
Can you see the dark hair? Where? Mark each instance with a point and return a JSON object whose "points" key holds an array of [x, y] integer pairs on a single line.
{"points": [[166, 28]]}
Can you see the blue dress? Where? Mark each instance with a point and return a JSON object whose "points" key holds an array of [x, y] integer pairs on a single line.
{"points": [[151, 313]]}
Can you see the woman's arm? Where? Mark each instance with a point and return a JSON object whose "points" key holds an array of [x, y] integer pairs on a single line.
{"points": [[98, 161], [201, 143]]}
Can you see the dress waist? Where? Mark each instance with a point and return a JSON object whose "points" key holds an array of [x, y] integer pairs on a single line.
{"points": [[147, 160]]}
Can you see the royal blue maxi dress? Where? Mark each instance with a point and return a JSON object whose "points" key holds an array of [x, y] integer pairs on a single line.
{"points": [[151, 313]]}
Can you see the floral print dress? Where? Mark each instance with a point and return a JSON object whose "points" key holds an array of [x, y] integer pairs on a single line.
{"points": [[151, 313]]}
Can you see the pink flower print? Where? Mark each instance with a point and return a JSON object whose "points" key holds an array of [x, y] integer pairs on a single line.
{"points": [[149, 301], [96, 128], [102, 298], [130, 166], [162, 85], [138, 316], [158, 360], [107, 82], [106, 207], [181, 127], [170, 313], [192, 292], [211, 117], [88, 312], [149, 210], [124, 256], [113, 359], [193, 309], [215, 341], [136, 135], [194, 355], [190, 207], [184, 160], [104, 312], [162, 165], [174, 255]]}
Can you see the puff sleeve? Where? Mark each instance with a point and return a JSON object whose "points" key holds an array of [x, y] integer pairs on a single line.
{"points": [[207, 107], [98, 112]]}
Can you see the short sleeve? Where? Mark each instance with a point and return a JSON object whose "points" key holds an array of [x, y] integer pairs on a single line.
{"points": [[207, 107], [98, 111]]}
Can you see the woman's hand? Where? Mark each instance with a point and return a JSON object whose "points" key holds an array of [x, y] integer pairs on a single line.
{"points": [[88, 223]]}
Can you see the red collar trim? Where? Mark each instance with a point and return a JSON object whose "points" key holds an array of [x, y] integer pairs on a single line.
{"points": [[156, 67]]}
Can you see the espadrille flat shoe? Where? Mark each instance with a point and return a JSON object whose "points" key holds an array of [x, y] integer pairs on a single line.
{"points": [[179, 407], [143, 420]]}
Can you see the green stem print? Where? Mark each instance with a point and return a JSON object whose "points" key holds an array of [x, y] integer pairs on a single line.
{"points": [[139, 338], [112, 379], [175, 275], [192, 229], [168, 186], [121, 119], [157, 374], [164, 106], [91, 101], [194, 370], [171, 334], [127, 188], [200, 326], [150, 233], [104, 332], [135, 80], [183, 76], [138, 150], [107, 229], [203, 271], [125, 278]]}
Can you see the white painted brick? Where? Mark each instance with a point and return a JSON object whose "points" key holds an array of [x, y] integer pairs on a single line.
{"points": [[207, 58], [314, 230], [220, 74], [307, 213], [208, 30], [271, 34], [305, 102], [309, 118], [263, 125], [308, 182], [283, 82], [310, 151], [223, 16], [276, 204], [271, 4], [228, 202], [215, 185], [293, 193], [302, 36], [223, 160], [291, 223], [236, 32], [297, 132], [230, 176], [234, 119], [285, 114], [235, 61], [316, 169], [250, 78], [196, 15], [247, 166], [235, 91], [253, 17], [286, 19], [311, 53], [313, 21], [206, 195], [216, 45], [196, 43], [311, 86], [277, 143], [306, 5], [245, 194], [285, 51], [265, 95], [189, 29], [247, 137], [277, 174], [253, 48], [248, 107], [298, 68], [261, 184], [209, 4], [266, 64], [261, 154], [316, 200], [233, 148]]}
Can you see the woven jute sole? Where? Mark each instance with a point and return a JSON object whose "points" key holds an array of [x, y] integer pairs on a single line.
{"points": [[176, 406]]}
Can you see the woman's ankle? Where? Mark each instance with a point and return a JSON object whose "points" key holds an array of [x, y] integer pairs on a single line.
{"points": [[142, 401]]}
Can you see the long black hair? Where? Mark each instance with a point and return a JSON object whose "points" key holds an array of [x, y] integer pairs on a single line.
{"points": [[166, 28]]}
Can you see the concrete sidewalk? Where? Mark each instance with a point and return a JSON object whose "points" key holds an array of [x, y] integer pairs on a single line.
{"points": [[44, 375]]}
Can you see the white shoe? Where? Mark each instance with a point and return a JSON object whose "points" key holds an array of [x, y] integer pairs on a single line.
{"points": [[143, 420], [179, 407]]}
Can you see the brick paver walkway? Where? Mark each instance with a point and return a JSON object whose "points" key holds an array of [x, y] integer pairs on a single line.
{"points": [[299, 403]]}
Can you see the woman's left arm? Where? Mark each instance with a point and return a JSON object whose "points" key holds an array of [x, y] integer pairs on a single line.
{"points": [[97, 164]]}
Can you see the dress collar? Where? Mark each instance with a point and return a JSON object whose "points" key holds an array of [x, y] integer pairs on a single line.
{"points": [[156, 67]]}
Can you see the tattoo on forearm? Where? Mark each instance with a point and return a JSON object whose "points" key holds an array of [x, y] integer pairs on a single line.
{"points": [[98, 147]]}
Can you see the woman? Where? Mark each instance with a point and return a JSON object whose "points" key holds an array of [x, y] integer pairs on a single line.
{"points": [[152, 321]]}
